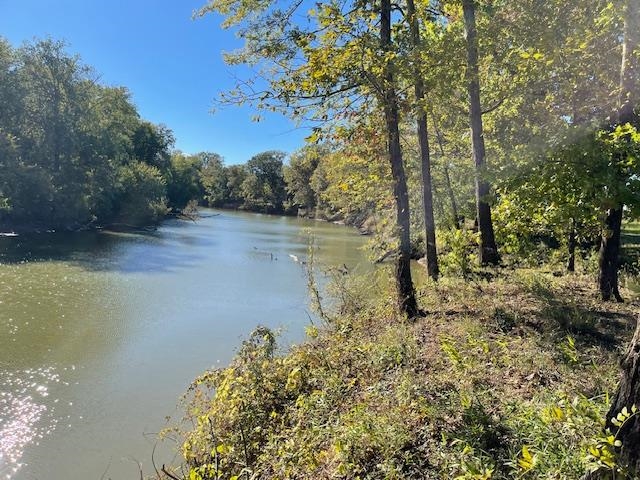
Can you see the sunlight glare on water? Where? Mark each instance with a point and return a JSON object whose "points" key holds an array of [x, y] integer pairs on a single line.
{"points": [[24, 420]]}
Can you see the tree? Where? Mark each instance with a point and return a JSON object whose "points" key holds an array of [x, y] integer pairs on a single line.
{"points": [[488, 248], [324, 69], [555, 197], [236, 175], [65, 140], [628, 393], [264, 188], [143, 199], [56, 90], [423, 139], [151, 145], [213, 177], [107, 141], [628, 102], [404, 283], [184, 180], [298, 177], [549, 158], [354, 181]]}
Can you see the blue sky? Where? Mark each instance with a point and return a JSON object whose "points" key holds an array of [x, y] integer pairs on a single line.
{"points": [[172, 65]]}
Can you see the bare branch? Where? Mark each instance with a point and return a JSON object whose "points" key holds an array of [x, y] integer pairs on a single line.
{"points": [[169, 474], [495, 106]]}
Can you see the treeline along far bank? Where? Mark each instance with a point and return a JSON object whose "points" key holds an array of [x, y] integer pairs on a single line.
{"points": [[75, 154]]}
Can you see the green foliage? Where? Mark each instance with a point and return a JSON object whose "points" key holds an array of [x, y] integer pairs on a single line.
{"points": [[603, 454], [299, 176], [143, 198], [70, 148], [369, 396], [264, 187], [184, 179], [151, 144], [570, 187], [550, 75], [459, 249], [460, 396], [213, 177], [236, 175], [556, 432], [259, 185]]}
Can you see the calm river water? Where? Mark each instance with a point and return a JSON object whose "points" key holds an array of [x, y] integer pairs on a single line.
{"points": [[100, 333]]}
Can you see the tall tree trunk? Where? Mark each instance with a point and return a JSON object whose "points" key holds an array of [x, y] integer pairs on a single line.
{"points": [[571, 260], [609, 254], [404, 283], [452, 198], [627, 101], [628, 393], [425, 156], [488, 249], [447, 177]]}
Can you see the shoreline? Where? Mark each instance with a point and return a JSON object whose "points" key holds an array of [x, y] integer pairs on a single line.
{"points": [[18, 230]]}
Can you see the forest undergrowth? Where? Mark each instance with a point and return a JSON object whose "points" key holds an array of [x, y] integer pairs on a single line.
{"points": [[508, 378]]}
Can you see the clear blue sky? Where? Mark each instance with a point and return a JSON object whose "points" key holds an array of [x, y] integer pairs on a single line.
{"points": [[172, 65]]}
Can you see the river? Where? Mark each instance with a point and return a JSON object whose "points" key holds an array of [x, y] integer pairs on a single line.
{"points": [[102, 332]]}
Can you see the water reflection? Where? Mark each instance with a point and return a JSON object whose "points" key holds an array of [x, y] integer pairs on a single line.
{"points": [[105, 250]]}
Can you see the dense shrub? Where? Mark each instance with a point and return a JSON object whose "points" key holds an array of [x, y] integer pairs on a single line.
{"points": [[497, 383], [143, 198]]}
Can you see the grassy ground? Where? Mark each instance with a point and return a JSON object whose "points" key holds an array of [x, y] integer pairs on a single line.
{"points": [[507, 379], [630, 239], [631, 235]]}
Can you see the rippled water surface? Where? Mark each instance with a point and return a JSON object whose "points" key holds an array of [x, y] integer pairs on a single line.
{"points": [[100, 333]]}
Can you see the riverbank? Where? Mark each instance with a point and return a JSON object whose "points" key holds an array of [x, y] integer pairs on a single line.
{"points": [[364, 222], [505, 379], [16, 229]]}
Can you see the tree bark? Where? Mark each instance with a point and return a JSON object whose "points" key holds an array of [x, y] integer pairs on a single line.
{"points": [[628, 395], [431, 254], [488, 249], [609, 254], [452, 198], [571, 260], [404, 283], [627, 101], [447, 177]]}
